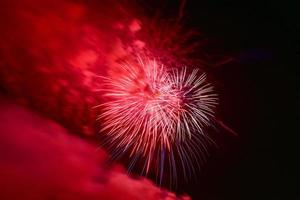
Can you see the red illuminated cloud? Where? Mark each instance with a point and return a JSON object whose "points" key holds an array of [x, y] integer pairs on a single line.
{"points": [[50, 55], [41, 160], [53, 51]]}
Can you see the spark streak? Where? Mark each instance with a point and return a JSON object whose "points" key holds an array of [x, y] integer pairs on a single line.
{"points": [[156, 114]]}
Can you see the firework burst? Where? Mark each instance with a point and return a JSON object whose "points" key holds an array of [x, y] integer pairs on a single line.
{"points": [[155, 114]]}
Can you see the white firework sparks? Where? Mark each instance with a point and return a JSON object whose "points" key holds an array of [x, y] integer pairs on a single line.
{"points": [[156, 115]]}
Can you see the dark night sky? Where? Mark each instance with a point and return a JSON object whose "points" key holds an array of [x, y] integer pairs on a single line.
{"points": [[258, 102]]}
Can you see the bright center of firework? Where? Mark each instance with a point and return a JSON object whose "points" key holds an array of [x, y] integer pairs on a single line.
{"points": [[150, 93], [152, 111]]}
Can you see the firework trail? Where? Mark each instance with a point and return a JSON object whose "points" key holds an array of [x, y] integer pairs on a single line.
{"points": [[157, 114]]}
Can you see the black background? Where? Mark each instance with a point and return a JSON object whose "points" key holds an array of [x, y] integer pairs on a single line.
{"points": [[259, 100]]}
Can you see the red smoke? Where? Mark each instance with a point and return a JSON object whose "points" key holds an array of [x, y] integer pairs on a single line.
{"points": [[50, 55], [41, 160], [52, 51]]}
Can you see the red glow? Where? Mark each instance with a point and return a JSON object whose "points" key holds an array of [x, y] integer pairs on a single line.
{"points": [[41, 160], [53, 57]]}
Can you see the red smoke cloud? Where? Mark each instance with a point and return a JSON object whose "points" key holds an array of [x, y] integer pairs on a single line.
{"points": [[52, 52], [50, 55], [41, 160]]}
